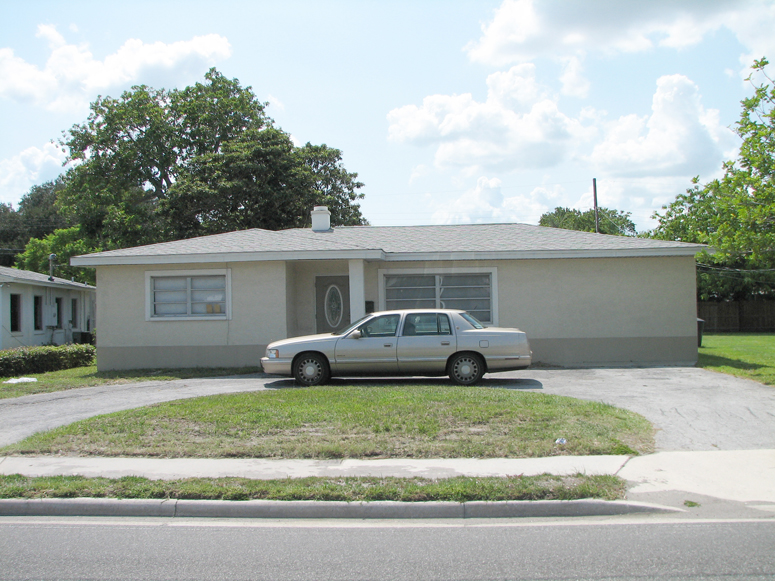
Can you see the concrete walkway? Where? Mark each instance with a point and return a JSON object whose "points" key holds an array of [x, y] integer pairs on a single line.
{"points": [[729, 483], [740, 476]]}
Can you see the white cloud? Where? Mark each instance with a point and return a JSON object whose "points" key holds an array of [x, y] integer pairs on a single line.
{"points": [[573, 82], [30, 167], [275, 102], [486, 203], [72, 76], [518, 126], [522, 30], [679, 137]]}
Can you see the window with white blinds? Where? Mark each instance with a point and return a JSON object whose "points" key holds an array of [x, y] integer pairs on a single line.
{"points": [[188, 296], [468, 292]]}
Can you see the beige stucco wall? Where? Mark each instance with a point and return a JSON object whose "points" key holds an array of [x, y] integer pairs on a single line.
{"points": [[616, 311], [628, 311], [126, 340]]}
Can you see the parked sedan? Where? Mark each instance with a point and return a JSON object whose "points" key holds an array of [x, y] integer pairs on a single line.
{"points": [[409, 342]]}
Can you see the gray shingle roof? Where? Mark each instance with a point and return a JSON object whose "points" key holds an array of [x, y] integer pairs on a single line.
{"points": [[382, 242], [36, 277]]}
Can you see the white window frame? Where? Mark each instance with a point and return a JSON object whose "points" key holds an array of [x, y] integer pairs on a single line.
{"points": [[151, 274], [492, 271]]}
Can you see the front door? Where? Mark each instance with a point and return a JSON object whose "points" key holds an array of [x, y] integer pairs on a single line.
{"points": [[332, 303]]}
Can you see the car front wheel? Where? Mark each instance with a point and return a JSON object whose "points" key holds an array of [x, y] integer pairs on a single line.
{"points": [[466, 368], [311, 369]]}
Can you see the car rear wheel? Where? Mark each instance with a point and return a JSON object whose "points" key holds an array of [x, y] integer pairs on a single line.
{"points": [[466, 368], [311, 369]]}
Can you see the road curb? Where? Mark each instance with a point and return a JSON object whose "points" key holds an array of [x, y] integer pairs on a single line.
{"points": [[316, 509]]}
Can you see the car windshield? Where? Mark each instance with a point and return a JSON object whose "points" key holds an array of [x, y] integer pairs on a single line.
{"points": [[351, 327], [471, 319]]}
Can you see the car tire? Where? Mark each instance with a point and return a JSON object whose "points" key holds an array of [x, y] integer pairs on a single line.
{"points": [[311, 369], [466, 368]]}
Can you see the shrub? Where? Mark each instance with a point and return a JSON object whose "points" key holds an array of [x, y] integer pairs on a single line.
{"points": [[25, 360]]}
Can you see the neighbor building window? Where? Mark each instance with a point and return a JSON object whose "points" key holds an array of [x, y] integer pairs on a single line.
{"points": [[470, 292], [190, 296], [16, 313], [74, 313], [37, 312], [58, 308]]}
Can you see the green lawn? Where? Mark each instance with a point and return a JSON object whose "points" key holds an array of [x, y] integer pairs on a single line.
{"points": [[459, 489], [748, 355], [366, 421], [89, 376]]}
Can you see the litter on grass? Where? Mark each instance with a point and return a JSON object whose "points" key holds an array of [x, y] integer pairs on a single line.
{"points": [[561, 441], [21, 380]]}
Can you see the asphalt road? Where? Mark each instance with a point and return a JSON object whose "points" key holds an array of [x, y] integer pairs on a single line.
{"points": [[691, 409], [281, 550]]}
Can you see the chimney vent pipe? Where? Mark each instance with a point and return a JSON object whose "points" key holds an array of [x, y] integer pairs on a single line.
{"points": [[321, 219]]}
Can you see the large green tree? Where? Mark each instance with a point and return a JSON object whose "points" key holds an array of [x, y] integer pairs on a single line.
{"points": [[156, 165], [735, 214], [609, 221], [131, 150]]}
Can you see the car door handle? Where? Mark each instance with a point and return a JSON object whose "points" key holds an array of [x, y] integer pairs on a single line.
{"points": [[445, 342], [388, 344]]}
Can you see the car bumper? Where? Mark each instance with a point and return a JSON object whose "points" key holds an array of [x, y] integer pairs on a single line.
{"points": [[276, 366]]}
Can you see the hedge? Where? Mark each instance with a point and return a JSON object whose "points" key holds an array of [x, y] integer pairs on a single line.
{"points": [[24, 360]]}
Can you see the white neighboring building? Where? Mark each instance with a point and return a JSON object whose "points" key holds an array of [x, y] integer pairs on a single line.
{"points": [[36, 310]]}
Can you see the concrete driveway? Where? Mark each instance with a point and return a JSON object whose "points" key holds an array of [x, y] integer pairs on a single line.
{"points": [[692, 409]]}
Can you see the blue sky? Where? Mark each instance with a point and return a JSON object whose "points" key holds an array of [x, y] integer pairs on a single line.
{"points": [[450, 111]]}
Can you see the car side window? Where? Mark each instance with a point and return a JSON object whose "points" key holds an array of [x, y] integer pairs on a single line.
{"points": [[385, 326], [423, 324]]}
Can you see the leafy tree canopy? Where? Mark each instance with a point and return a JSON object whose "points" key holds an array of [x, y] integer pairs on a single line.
{"points": [[156, 165], [35, 217], [735, 215], [609, 221], [260, 181], [65, 243]]}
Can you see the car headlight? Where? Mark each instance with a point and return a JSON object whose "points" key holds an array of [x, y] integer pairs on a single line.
{"points": [[272, 353]]}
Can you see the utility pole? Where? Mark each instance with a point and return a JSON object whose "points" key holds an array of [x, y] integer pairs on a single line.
{"points": [[594, 194]]}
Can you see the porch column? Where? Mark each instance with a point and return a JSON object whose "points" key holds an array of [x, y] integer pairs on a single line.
{"points": [[357, 290]]}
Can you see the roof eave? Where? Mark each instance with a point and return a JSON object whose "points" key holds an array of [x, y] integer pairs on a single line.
{"points": [[379, 255], [546, 254], [45, 283], [222, 257]]}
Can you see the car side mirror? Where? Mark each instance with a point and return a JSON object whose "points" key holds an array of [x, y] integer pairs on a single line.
{"points": [[355, 334]]}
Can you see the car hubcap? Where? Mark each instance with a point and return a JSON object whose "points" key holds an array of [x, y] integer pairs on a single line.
{"points": [[310, 370], [465, 369]]}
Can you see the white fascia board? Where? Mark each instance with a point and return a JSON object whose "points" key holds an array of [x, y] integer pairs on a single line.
{"points": [[378, 255], [542, 254], [224, 257]]}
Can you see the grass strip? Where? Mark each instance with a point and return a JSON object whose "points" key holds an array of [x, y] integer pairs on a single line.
{"points": [[89, 377], [355, 421], [746, 355], [458, 489]]}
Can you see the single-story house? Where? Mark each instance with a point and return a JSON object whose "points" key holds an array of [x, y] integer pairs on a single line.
{"points": [[582, 298], [38, 309]]}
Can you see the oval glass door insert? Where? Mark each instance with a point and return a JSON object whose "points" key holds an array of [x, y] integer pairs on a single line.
{"points": [[333, 306]]}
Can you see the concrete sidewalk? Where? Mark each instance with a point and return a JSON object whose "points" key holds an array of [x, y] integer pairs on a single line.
{"points": [[658, 483]]}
